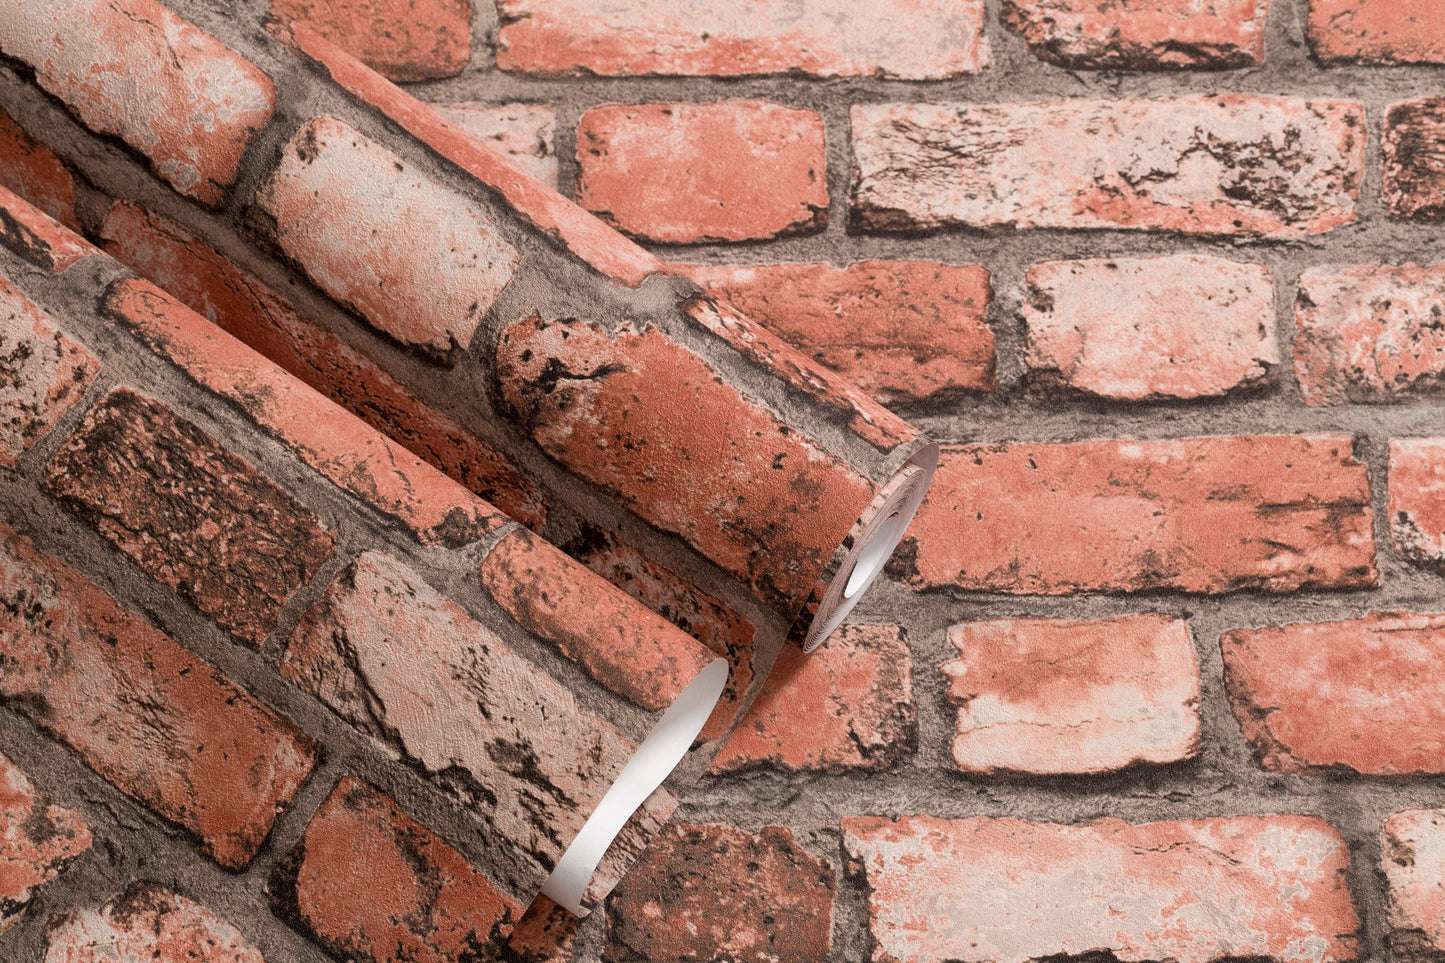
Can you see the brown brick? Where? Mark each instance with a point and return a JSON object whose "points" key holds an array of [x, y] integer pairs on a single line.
{"points": [[42, 373], [33, 171], [151, 923], [1377, 31], [1142, 34], [37, 842], [1414, 142], [1415, 505], [401, 39]]}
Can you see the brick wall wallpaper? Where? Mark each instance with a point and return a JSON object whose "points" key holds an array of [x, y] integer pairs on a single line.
{"points": [[1156, 675]]}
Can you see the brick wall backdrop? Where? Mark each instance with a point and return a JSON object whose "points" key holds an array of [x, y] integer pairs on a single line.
{"points": [[1160, 672]]}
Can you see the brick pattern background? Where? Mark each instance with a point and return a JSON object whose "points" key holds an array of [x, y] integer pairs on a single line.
{"points": [[1157, 673]]}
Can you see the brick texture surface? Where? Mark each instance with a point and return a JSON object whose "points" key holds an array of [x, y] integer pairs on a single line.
{"points": [[524, 133], [403, 39], [148, 922], [1414, 144], [37, 238], [36, 173], [1415, 504], [37, 841], [43, 373], [1377, 31], [1142, 34], [1412, 854]]}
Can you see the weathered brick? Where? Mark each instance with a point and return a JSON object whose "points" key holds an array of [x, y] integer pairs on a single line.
{"points": [[147, 922], [1305, 705], [688, 173], [1412, 854], [1136, 329], [1413, 138], [210, 284], [368, 883], [344, 449], [1271, 512], [27, 231], [133, 69], [1377, 31], [400, 39], [1370, 333], [716, 894], [904, 331], [927, 40], [1268, 888], [415, 260], [1231, 164], [192, 515], [1141, 34], [847, 706], [1415, 499], [42, 373], [570, 382], [546, 933], [1052, 696], [37, 841], [628, 649], [522, 133], [140, 709], [33, 171], [402, 663]]}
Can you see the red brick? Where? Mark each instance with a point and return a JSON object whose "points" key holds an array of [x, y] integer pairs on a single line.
{"points": [[1141, 34], [193, 516], [688, 173], [42, 373], [33, 171], [904, 331], [546, 933], [715, 894], [209, 283], [1271, 512], [1370, 333], [679, 438], [37, 842], [1412, 854], [1056, 696], [141, 710], [133, 69], [596, 244], [1268, 888], [847, 706], [402, 663], [1136, 329], [1231, 165], [30, 233], [147, 922], [368, 883], [1414, 142], [628, 649], [400, 39], [927, 40], [344, 449], [1415, 500], [1377, 31], [415, 260], [522, 133], [1362, 695]]}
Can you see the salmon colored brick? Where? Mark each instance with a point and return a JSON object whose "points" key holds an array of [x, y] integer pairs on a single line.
{"points": [[707, 892], [43, 373], [848, 706], [1412, 855], [369, 884], [981, 890], [1377, 31], [1415, 499], [341, 447], [1307, 704], [737, 170], [1062, 696], [524, 134], [33, 171], [37, 842], [401, 39], [194, 517], [188, 268], [1267, 512], [1413, 138], [1146, 329], [632, 652], [926, 40], [903, 331], [135, 70], [1370, 334], [1232, 164], [33, 235], [142, 711], [1141, 34], [570, 382], [147, 922], [418, 262]]}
